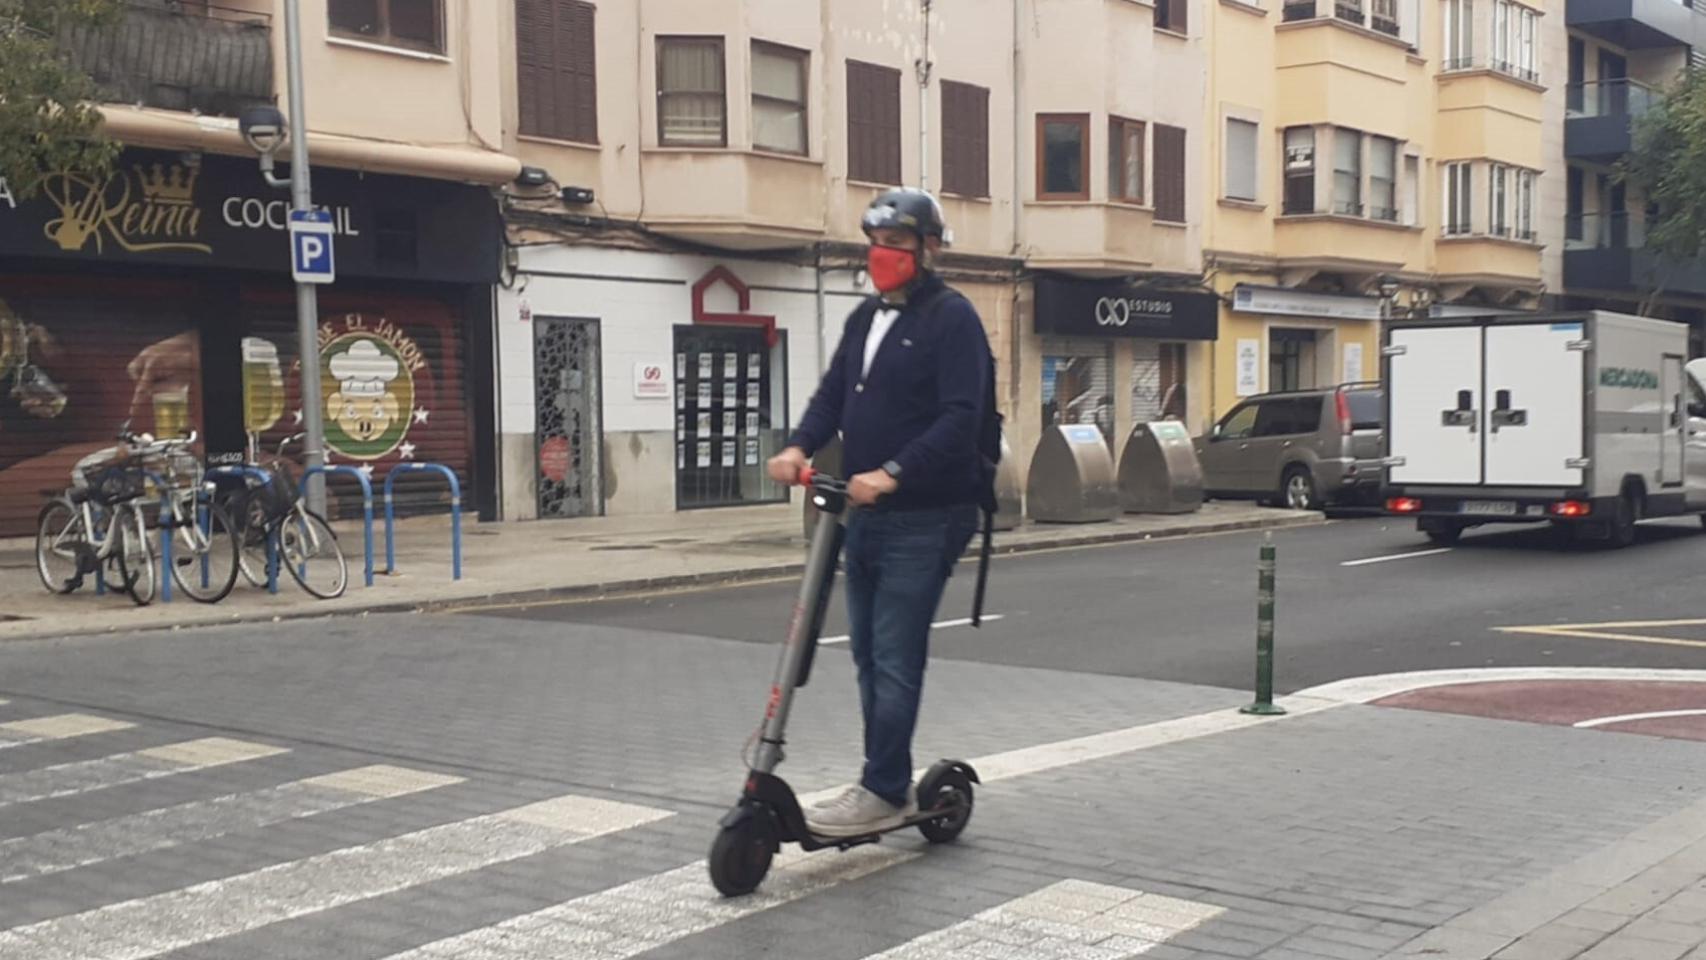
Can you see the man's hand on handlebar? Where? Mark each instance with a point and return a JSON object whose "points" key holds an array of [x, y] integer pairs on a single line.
{"points": [[867, 488], [785, 467]]}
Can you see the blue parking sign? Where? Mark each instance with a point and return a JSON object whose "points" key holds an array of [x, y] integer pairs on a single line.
{"points": [[311, 246]]}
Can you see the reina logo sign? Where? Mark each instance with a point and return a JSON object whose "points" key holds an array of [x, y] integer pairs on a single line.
{"points": [[143, 209], [1628, 378]]}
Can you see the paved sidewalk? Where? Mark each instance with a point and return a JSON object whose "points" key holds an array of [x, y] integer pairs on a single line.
{"points": [[543, 559]]}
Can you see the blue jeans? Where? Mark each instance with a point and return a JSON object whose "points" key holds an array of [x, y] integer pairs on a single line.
{"points": [[898, 563]]}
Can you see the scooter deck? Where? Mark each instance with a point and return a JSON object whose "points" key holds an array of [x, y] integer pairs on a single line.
{"points": [[815, 841]]}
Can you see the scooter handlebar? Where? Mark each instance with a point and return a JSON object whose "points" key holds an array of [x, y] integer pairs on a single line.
{"points": [[819, 480]]}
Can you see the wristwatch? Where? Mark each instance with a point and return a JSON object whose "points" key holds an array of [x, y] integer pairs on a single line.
{"points": [[892, 469]]}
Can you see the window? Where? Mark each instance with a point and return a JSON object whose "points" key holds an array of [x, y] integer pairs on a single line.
{"points": [[415, 24], [1498, 200], [1171, 15], [1575, 206], [556, 69], [690, 92], [1459, 34], [1063, 156], [965, 139], [1524, 219], [1385, 17], [1513, 48], [1458, 181], [778, 98], [1240, 149], [1347, 172], [1125, 160], [1300, 170], [1412, 189], [1383, 178], [873, 123], [1291, 366], [1169, 173], [1240, 423]]}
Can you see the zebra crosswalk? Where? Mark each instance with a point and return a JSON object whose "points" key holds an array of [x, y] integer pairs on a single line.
{"points": [[483, 841]]}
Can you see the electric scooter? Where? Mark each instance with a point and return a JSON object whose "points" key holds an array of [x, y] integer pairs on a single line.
{"points": [[768, 814]]}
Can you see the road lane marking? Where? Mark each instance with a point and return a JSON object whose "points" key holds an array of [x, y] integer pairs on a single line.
{"points": [[149, 926], [56, 851], [1397, 556], [66, 779], [1068, 920], [1632, 717], [1612, 631], [654, 911], [1369, 689], [940, 624], [62, 726]]}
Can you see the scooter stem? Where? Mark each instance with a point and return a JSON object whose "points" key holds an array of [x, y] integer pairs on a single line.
{"points": [[803, 627]]}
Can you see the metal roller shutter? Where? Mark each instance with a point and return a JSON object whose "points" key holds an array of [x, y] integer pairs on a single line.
{"points": [[393, 385], [78, 357]]}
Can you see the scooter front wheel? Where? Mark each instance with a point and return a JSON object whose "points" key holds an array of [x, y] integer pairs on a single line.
{"points": [[946, 788], [741, 855]]}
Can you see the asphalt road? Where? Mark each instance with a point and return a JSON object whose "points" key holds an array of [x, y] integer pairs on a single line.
{"points": [[1184, 610]]}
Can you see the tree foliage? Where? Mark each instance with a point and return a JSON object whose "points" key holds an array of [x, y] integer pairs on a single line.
{"points": [[48, 118], [1667, 169]]}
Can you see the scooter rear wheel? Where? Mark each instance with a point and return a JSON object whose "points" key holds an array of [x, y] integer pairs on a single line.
{"points": [[950, 788], [740, 857]]}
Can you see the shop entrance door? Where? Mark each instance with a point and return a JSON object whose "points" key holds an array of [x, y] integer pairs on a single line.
{"points": [[567, 432]]}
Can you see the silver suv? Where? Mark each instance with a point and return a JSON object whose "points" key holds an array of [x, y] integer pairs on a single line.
{"points": [[1304, 450]]}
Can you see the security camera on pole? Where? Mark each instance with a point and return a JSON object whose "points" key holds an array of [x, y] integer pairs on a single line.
{"points": [[266, 129]]}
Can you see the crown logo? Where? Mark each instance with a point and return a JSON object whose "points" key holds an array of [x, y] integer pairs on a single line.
{"points": [[175, 187]]}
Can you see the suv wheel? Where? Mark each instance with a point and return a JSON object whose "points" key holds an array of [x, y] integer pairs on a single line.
{"points": [[1297, 490]]}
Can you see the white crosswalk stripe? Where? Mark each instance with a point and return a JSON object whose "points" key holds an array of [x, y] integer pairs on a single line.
{"points": [[150, 926], [24, 858], [648, 913], [1069, 920], [82, 776], [64, 726]]}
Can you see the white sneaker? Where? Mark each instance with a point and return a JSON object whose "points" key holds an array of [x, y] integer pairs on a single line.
{"points": [[855, 812]]}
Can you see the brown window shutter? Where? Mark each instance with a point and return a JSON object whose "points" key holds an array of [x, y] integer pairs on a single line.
{"points": [[583, 64], [1169, 173], [858, 127], [533, 89], [873, 123], [965, 139], [557, 71]]}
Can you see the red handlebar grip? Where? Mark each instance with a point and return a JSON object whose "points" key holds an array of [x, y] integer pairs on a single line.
{"points": [[805, 476]]}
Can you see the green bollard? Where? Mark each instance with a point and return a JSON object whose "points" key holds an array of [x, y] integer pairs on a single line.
{"points": [[1264, 705]]}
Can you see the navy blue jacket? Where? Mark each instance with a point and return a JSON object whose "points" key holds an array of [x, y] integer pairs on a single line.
{"points": [[920, 405]]}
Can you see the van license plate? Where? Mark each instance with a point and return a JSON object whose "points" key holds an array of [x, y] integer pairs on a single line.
{"points": [[1495, 508]]}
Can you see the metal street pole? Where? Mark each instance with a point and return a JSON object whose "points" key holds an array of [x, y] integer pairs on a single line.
{"points": [[307, 306]]}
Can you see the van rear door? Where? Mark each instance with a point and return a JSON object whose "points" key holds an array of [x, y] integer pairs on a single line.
{"points": [[1434, 389]]}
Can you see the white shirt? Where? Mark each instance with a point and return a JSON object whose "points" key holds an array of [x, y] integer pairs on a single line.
{"points": [[881, 321]]}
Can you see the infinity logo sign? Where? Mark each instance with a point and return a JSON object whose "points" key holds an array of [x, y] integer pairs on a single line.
{"points": [[1113, 312]]}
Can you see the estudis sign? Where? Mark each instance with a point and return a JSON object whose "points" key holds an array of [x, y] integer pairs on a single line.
{"points": [[1110, 308]]}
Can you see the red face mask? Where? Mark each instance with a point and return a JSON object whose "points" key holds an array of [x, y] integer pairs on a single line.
{"points": [[891, 268]]}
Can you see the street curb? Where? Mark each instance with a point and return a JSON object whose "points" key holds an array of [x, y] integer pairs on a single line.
{"points": [[724, 578]]}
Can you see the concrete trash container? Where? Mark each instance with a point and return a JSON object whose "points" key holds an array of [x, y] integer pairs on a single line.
{"points": [[1072, 477], [1159, 471]]}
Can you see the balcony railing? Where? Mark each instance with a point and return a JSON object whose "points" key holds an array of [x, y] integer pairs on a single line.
{"points": [[1605, 231], [1348, 12], [1609, 98], [1518, 71], [179, 55], [1295, 10]]}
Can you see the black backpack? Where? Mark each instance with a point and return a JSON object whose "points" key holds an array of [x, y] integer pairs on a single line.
{"points": [[989, 459]]}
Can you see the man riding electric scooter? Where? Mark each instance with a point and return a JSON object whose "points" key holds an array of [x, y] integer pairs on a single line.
{"points": [[908, 390]]}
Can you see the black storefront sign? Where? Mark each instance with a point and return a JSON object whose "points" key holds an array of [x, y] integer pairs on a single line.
{"points": [[1113, 308], [216, 211]]}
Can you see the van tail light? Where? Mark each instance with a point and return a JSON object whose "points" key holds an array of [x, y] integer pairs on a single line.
{"points": [[1344, 404], [1571, 508], [1404, 505]]}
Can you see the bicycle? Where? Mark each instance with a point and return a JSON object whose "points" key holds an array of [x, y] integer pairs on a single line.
{"points": [[69, 528], [205, 541], [276, 527]]}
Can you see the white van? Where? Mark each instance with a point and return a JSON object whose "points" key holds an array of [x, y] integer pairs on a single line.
{"points": [[1590, 420]]}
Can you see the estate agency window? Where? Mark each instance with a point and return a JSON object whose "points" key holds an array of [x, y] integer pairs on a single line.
{"points": [[731, 414], [415, 24]]}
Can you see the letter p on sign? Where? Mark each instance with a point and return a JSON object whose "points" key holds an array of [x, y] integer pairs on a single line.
{"points": [[311, 246]]}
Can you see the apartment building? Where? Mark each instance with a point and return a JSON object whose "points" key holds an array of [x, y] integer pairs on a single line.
{"points": [[1371, 155], [680, 273], [1620, 59], [162, 296]]}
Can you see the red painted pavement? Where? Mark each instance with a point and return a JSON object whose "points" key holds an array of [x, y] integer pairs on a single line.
{"points": [[1568, 702]]}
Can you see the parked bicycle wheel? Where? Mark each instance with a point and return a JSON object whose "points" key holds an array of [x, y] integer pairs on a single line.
{"points": [[249, 515], [309, 548], [135, 559], [60, 543], [206, 548]]}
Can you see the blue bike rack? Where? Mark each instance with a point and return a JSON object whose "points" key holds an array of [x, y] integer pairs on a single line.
{"points": [[250, 470], [455, 514], [366, 508]]}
